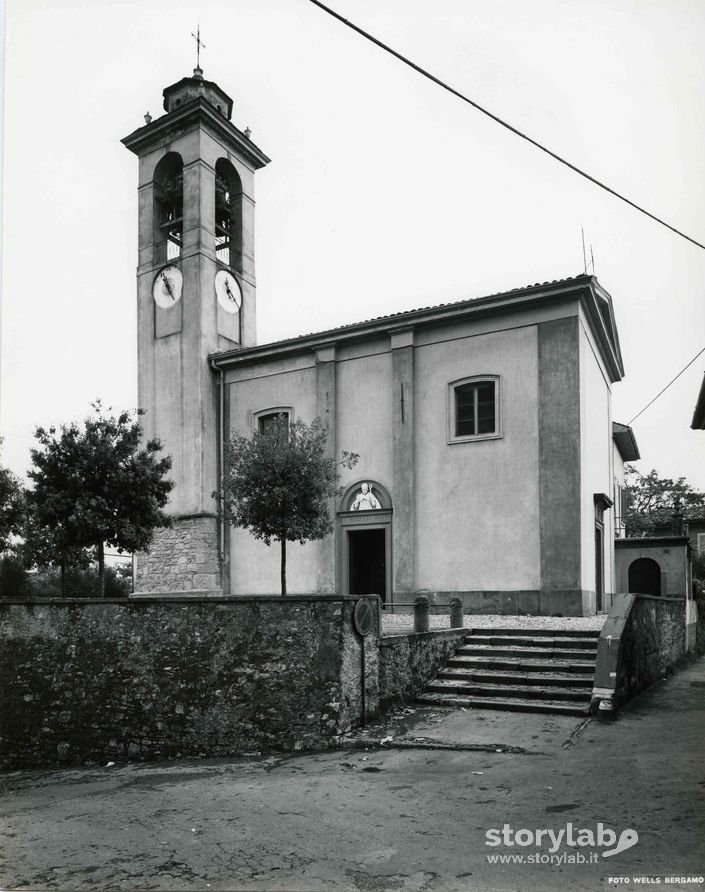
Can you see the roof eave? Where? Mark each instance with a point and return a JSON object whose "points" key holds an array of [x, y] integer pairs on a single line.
{"points": [[698, 422], [625, 441], [504, 302], [197, 110]]}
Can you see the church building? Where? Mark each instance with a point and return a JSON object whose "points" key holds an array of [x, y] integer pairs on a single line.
{"points": [[484, 427]]}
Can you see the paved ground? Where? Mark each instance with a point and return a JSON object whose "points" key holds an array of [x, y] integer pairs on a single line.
{"points": [[394, 623], [412, 816]]}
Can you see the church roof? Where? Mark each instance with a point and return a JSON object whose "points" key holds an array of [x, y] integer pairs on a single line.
{"points": [[596, 301]]}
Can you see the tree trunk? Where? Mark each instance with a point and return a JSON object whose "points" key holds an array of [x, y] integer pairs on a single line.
{"points": [[101, 570], [283, 567]]}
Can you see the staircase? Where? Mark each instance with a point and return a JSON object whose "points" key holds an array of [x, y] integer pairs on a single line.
{"points": [[525, 670]]}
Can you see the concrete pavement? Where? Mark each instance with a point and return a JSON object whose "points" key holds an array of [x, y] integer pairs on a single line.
{"points": [[411, 816]]}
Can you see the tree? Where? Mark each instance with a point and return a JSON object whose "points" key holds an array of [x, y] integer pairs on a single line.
{"points": [[11, 506], [94, 485], [652, 499], [48, 545], [277, 484]]}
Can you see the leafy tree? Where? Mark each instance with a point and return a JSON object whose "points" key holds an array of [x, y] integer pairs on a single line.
{"points": [[11, 506], [652, 499], [94, 485], [278, 484], [14, 579], [49, 547]]}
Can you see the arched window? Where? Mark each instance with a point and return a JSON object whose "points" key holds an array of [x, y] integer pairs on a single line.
{"points": [[645, 577], [473, 409], [169, 207], [228, 215]]}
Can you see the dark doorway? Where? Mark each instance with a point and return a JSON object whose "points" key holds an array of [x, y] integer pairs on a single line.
{"points": [[599, 567], [367, 563], [645, 577]]}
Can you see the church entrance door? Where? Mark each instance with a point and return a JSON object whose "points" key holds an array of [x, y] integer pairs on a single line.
{"points": [[367, 562]]}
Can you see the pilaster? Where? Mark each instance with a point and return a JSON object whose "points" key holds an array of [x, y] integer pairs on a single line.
{"points": [[404, 503], [325, 401]]}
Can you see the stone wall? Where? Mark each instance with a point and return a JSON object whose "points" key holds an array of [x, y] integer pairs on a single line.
{"points": [[183, 557], [643, 638], [407, 663], [90, 681]]}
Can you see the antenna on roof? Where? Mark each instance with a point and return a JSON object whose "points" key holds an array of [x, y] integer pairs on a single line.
{"points": [[582, 233], [592, 260]]}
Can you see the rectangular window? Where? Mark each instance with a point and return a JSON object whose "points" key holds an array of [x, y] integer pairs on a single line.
{"points": [[268, 420], [475, 409]]}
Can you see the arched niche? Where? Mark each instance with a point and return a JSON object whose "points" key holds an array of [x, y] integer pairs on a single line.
{"points": [[168, 207], [645, 577], [380, 492], [228, 215]]}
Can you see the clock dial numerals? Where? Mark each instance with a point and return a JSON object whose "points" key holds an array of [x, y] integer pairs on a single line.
{"points": [[227, 290], [167, 286]]}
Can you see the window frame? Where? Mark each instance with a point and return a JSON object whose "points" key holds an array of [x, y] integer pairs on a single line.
{"points": [[275, 410], [451, 400]]}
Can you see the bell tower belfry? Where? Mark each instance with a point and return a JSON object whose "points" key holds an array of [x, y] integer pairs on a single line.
{"points": [[195, 296]]}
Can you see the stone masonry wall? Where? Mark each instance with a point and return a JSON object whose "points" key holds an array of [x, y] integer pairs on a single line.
{"points": [[654, 642], [182, 558], [407, 663], [643, 638], [84, 682]]}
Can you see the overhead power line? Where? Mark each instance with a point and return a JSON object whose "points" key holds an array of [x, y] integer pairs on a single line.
{"points": [[668, 385], [505, 124]]}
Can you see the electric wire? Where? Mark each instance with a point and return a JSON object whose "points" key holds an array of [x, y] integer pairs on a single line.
{"points": [[699, 353], [503, 123]]}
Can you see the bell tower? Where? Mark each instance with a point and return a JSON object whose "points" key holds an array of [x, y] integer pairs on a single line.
{"points": [[195, 296]]}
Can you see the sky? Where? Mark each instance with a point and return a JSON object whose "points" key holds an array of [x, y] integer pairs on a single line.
{"points": [[384, 192]]}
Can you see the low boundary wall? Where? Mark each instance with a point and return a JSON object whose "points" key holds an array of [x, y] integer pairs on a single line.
{"points": [[643, 638], [88, 681], [408, 662]]}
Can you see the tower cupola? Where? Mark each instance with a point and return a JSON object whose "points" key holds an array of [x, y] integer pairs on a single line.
{"points": [[190, 88]]}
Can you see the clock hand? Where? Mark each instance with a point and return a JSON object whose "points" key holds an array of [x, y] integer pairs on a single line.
{"points": [[230, 294], [167, 285]]}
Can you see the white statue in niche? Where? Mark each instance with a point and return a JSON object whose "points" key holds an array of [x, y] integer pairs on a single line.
{"points": [[365, 500]]}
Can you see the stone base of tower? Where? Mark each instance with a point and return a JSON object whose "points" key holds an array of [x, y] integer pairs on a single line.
{"points": [[182, 558]]}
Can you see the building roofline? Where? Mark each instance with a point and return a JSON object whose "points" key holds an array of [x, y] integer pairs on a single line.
{"points": [[625, 441], [197, 111], [698, 422], [646, 541], [581, 287]]}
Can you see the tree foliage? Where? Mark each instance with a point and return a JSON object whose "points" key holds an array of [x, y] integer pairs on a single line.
{"points": [[94, 485], [278, 483], [75, 582], [653, 500], [11, 506]]}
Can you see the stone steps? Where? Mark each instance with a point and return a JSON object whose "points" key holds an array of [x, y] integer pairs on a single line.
{"points": [[586, 667], [513, 704], [535, 670]]}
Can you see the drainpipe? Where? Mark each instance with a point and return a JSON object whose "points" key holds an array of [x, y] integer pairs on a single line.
{"points": [[221, 465]]}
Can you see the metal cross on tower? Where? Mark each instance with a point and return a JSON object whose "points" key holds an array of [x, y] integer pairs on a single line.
{"points": [[199, 44]]}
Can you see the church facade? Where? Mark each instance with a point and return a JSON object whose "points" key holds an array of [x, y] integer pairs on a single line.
{"points": [[484, 427]]}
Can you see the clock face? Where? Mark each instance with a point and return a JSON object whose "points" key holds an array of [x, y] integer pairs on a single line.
{"points": [[167, 286], [227, 290]]}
